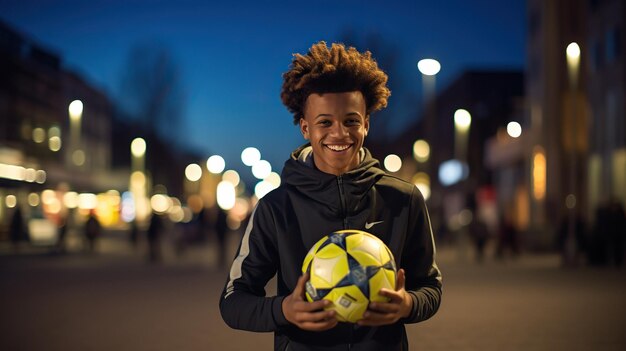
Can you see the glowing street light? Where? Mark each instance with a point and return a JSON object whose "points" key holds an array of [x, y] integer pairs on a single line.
{"points": [[462, 119], [193, 172], [514, 129], [226, 195], [215, 164], [572, 54], [462, 122], [250, 156], [261, 169], [421, 150], [393, 163], [232, 177], [75, 111], [428, 67], [138, 147], [138, 151]]}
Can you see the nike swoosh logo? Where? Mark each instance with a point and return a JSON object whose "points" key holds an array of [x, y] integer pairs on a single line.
{"points": [[370, 225]]}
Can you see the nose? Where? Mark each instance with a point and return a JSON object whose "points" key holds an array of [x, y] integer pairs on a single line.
{"points": [[339, 130]]}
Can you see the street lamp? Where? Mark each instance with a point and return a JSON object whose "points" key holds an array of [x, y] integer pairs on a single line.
{"points": [[429, 69], [138, 150], [462, 123], [572, 54], [75, 110], [137, 186]]}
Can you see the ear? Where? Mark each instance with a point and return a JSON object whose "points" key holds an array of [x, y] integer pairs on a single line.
{"points": [[366, 124], [304, 128]]}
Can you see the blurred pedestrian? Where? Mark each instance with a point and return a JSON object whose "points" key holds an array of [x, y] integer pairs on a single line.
{"points": [[93, 230], [17, 228], [221, 228], [133, 235], [479, 233], [579, 236], [507, 239], [616, 233], [61, 233], [154, 237]]}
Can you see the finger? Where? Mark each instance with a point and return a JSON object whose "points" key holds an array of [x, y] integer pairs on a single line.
{"points": [[401, 279], [305, 306], [392, 295], [383, 307], [315, 317], [299, 289]]}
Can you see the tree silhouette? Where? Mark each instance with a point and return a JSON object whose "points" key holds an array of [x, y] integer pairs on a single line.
{"points": [[151, 90]]}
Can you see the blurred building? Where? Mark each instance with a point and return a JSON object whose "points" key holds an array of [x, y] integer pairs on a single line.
{"points": [[65, 148], [605, 56], [453, 175], [43, 147], [575, 155]]}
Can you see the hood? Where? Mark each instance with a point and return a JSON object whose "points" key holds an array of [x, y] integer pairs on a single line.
{"points": [[300, 172]]}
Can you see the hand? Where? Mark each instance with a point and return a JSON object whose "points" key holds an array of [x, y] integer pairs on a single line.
{"points": [[383, 313], [307, 315]]}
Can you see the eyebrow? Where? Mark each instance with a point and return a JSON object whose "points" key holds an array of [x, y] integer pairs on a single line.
{"points": [[330, 115]]}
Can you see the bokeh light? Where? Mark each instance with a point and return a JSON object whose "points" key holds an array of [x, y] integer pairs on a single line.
{"points": [[193, 172], [33, 199], [138, 147], [262, 188], [232, 177], [428, 67], [10, 201], [39, 135], [421, 150], [75, 109], [250, 156], [462, 119], [393, 163], [160, 203], [226, 195], [274, 179], [215, 164], [514, 129], [261, 169]]}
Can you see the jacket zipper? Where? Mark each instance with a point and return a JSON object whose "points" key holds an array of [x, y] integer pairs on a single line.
{"points": [[342, 197], [344, 214]]}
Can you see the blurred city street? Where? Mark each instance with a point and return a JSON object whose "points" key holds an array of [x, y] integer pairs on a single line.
{"points": [[115, 300]]}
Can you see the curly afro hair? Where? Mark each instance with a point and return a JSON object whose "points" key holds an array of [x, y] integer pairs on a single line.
{"points": [[333, 70]]}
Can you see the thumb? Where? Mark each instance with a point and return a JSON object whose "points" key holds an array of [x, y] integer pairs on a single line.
{"points": [[299, 289], [400, 280]]}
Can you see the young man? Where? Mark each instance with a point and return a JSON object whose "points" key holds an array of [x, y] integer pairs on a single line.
{"points": [[329, 184]]}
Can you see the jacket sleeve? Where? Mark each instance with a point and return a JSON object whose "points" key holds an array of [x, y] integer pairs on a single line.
{"points": [[423, 278], [243, 304]]}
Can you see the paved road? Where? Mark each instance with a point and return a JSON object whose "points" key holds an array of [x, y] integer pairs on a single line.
{"points": [[114, 300]]}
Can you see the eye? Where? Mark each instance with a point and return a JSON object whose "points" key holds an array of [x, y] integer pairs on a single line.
{"points": [[324, 123], [353, 122]]}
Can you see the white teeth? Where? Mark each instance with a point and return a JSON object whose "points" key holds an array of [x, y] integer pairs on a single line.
{"points": [[338, 147]]}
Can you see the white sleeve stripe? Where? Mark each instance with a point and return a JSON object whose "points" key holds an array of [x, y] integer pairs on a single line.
{"points": [[244, 251]]}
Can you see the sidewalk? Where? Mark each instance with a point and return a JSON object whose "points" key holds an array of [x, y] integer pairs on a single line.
{"points": [[115, 300]]}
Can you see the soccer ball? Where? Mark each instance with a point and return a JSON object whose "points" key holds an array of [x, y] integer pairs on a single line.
{"points": [[348, 268]]}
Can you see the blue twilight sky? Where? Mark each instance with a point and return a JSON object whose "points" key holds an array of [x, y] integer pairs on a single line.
{"points": [[231, 54]]}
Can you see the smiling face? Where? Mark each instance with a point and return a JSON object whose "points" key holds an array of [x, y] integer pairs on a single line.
{"points": [[336, 126]]}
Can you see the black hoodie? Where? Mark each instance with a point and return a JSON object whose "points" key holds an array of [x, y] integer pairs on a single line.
{"points": [[308, 205]]}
